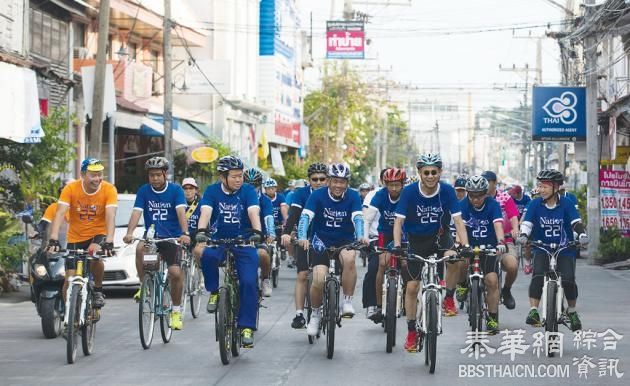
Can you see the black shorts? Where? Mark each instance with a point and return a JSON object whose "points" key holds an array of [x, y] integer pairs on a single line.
{"points": [[71, 263], [301, 259], [323, 258], [170, 252], [425, 246]]}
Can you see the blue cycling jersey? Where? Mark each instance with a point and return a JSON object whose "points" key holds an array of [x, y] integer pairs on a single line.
{"points": [[159, 208], [332, 219], [387, 209], [424, 214], [552, 225], [480, 222], [229, 209]]}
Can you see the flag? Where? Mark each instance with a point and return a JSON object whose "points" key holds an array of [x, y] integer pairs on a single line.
{"points": [[263, 146]]}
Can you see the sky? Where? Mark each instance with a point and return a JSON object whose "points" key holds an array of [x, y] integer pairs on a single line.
{"points": [[431, 43]]}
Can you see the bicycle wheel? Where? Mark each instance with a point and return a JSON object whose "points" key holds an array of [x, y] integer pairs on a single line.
{"points": [[88, 330], [146, 311], [196, 290], [236, 333], [74, 310], [551, 323], [476, 306], [333, 309], [390, 314], [165, 317], [186, 288], [224, 325], [432, 329]]}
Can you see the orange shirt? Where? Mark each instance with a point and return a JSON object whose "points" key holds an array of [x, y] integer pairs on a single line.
{"points": [[87, 211], [51, 211]]}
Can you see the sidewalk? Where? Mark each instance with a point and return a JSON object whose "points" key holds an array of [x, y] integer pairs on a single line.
{"points": [[22, 295]]}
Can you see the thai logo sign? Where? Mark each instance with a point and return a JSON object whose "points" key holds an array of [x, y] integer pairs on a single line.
{"points": [[345, 40], [559, 114]]}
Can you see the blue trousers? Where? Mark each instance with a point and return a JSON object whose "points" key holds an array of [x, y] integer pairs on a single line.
{"points": [[246, 261]]}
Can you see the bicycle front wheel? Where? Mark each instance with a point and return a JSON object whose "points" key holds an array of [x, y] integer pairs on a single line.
{"points": [[390, 313], [224, 325], [333, 309], [196, 290], [432, 330], [146, 311], [165, 317], [88, 330], [551, 323], [476, 306], [73, 327]]}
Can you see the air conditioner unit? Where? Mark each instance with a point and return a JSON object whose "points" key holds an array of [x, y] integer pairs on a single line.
{"points": [[81, 53]]}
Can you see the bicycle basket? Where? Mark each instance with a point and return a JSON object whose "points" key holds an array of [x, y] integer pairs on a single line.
{"points": [[151, 261]]}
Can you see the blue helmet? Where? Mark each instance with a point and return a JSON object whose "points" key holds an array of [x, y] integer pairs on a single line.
{"points": [[229, 162], [253, 176], [339, 170], [489, 175], [92, 165], [460, 182], [270, 183]]}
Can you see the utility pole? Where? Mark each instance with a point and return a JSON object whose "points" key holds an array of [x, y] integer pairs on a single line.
{"points": [[98, 96], [168, 89], [436, 132], [592, 139]]}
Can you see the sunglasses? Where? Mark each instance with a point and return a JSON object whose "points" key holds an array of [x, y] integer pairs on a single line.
{"points": [[321, 179], [430, 172]]}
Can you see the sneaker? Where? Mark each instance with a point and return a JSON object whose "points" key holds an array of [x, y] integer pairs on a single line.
{"points": [[574, 320], [492, 325], [247, 338], [411, 343], [313, 325], [369, 313], [137, 295], [449, 307], [212, 303], [291, 263], [533, 318], [508, 299], [347, 310], [461, 293], [176, 320], [442, 283], [378, 315], [266, 288], [298, 322], [528, 267], [98, 299]]}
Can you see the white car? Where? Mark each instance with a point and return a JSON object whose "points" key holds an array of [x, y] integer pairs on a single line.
{"points": [[120, 270]]}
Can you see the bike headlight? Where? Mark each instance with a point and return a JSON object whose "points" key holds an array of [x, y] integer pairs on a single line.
{"points": [[40, 271]]}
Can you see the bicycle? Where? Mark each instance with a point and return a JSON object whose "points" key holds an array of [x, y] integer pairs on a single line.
{"points": [[553, 302], [331, 317], [429, 317], [193, 283], [392, 297], [226, 324], [155, 295], [81, 315], [476, 306]]}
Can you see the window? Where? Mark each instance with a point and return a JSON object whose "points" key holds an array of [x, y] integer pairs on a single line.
{"points": [[133, 49], [49, 37]]}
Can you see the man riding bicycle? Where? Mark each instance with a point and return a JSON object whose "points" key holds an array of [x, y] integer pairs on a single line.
{"points": [[254, 177], [280, 207], [91, 204], [337, 220], [163, 207], [384, 203], [421, 209], [225, 205], [317, 177], [484, 224], [552, 219]]}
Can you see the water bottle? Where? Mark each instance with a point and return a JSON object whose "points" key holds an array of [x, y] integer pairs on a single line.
{"points": [[151, 232]]}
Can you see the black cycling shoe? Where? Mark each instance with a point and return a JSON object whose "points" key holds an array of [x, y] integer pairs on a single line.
{"points": [[98, 299], [508, 299], [298, 322]]}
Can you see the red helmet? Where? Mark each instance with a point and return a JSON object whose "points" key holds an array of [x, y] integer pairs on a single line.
{"points": [[394, 174]]}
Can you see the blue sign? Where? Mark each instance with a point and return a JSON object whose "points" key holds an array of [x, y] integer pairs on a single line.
{"points": [[559, 114]]}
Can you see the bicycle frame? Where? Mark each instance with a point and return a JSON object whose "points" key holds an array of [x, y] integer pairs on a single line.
{"points": [[430, 283], [82, 278], [553, 252]]}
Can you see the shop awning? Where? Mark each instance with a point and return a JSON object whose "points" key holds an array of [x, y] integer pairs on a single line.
{"points": [[19, 105], [152, 126]]}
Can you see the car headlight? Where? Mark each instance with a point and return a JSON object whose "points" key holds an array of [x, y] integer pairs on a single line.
{"points": [[40, 271]]}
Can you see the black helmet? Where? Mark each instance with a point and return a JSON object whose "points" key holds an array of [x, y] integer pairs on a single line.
{"points": [[156, 163], [229, 162], [253, 176], [317, 167], [550, 175]]}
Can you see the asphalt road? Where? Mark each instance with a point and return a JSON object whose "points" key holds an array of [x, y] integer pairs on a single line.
{"points": [[282, 356]]}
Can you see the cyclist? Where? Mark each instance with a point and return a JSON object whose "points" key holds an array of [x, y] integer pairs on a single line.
{"points": [[43, 228], [317, 178], [460, 187], [364, 189], [280, 207], [484, 223], [421, 209], [509, 262], [254, 177], [384, 203], [193, 210], [226, 204], [337, 220], [552, 219], [522, 200], [163, 207], [91, 205]]}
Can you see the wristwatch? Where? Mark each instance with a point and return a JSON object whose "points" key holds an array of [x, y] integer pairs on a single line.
{"points": [[186, 233]]}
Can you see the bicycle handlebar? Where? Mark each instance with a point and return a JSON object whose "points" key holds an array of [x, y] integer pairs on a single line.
{"points": [[554, 248]]}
